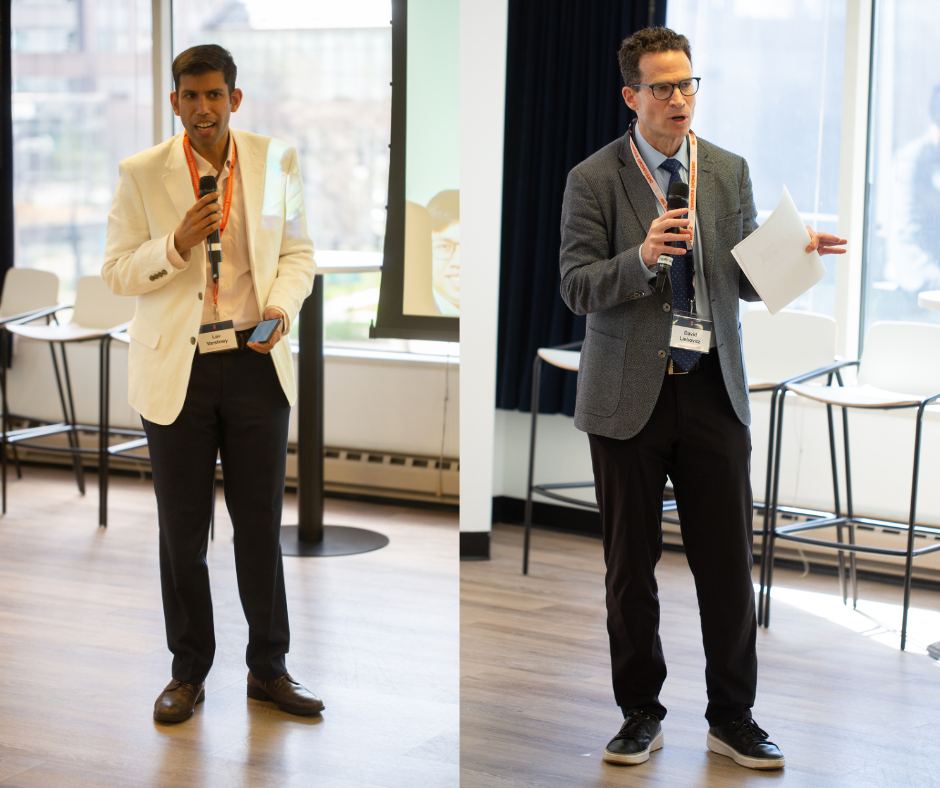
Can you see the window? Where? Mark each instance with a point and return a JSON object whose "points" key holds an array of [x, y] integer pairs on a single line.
{"points": [[317, 76], [82, 101], [771, 92], [902, 253]]}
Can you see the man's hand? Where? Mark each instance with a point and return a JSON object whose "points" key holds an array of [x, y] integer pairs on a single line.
{"points": [[200, 220], [824, 243], [265, 347], [657, 237]]}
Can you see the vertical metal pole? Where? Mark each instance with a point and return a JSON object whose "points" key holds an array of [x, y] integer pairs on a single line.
{"points": [[310, 419]]}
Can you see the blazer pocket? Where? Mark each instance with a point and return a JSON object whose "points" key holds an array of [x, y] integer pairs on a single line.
{"points": [[139, 331], [600, 376], [729, 230]]}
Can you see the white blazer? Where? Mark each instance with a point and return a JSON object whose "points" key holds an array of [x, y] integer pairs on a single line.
{"points": [[154, 192]]}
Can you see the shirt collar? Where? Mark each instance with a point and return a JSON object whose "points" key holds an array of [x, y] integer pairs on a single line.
{"points": [[653, 157], [203, 167]]}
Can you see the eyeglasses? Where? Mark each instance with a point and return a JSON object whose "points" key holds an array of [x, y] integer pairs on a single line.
{"points": [[444, 249], [664, 90]]}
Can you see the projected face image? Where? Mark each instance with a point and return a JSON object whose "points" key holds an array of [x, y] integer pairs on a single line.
{"points": [[445, 265]]}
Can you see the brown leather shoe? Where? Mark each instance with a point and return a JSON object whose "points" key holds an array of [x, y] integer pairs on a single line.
{"points": [[177, 702], [288, 694]]}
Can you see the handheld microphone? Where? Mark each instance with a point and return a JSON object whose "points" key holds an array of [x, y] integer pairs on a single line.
{"points": [[678, 198], [207, 185]]}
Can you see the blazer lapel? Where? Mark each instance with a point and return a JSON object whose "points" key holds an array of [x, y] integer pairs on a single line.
{"points": [[251, 169], [177, 180], [705, 213], [638, 190]]}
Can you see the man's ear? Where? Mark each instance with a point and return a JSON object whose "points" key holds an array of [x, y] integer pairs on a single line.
{"points": [[629, 97], [175, 103], [236, 99]]}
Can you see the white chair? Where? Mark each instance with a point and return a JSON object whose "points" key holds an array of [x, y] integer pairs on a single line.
{"points": [[779, 349], [97, 315], [566, 357], [26, 293], [899, 368]]}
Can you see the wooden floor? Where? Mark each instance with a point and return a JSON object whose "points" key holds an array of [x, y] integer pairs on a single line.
{"points": [[845, 705], [83, 654]]}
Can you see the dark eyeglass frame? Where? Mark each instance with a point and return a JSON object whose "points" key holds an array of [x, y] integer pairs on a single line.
{"points": [[673, 85]]}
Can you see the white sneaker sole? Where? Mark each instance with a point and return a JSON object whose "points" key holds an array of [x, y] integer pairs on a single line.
{"points": [[637, 757], [717, 745]]}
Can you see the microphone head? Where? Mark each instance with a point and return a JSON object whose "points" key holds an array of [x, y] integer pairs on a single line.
{"points": [[678, 196], [207, 185]]}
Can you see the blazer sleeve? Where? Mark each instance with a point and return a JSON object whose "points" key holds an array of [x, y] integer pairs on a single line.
{"points": [[591, 280], [296, 266], [134, 263], [745, 289]]}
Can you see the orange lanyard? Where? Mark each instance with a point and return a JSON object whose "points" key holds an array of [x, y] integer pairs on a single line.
{"points": [[226, 203], [658, 193]]}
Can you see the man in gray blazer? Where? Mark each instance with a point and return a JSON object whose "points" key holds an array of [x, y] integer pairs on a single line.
{"points": [[654, 411]]}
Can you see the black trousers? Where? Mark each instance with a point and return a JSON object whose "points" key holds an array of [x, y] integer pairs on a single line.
{"points": [[234, 406], [694, 438]]}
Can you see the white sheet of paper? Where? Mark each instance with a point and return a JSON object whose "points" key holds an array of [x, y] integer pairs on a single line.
{"points": [[774, 258]]}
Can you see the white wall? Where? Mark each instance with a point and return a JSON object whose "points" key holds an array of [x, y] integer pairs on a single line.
{"points": [[881, 447], [384, 405], [482, 101]]}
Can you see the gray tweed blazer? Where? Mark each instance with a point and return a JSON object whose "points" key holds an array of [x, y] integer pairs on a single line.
{"points": [[607, 211]]}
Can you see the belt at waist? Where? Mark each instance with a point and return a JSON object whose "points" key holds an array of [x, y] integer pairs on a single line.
{"points": [[705, 362]]}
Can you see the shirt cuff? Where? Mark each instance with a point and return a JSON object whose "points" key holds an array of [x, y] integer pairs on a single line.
{"points": [[178, 261], [286, 329], [647, 271]]}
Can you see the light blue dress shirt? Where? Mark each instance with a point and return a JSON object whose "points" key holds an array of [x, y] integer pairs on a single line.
{"points": [[653, 159]]}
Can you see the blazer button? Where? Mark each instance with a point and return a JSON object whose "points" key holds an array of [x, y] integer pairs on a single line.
{"points": [[163, 272], [661, 354], [666, 307], [192, 341], [199, 296], [152, 277]]}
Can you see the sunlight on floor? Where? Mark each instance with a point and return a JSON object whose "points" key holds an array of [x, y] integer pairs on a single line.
{"points": [[879, 621]]}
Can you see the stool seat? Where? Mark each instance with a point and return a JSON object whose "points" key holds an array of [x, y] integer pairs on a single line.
{"points": [[864, 396], [68, 332], [563, 359]]}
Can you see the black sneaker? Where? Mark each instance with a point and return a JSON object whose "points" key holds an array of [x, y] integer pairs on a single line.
{"points": [[742, 740], [640, 733]]}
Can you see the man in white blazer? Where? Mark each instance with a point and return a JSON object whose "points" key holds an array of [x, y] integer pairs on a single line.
{"points": [[196, 401]]}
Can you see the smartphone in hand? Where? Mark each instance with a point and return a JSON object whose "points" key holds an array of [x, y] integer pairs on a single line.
{"points": [[264, 330]]}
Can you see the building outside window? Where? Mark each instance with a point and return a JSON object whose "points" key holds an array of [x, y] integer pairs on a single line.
{"points": [[82, 101], [902, 253]]}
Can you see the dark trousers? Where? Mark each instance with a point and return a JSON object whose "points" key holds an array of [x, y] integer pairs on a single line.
{"points": [[694, 438], [234, 406]]}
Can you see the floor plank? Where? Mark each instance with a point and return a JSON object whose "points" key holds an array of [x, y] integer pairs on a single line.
{"points": [[845, 705], [83, 654]]}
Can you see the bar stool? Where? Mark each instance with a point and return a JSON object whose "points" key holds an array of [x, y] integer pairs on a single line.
{"points": [[781, 349], [97, 315], [27, 294], [899, 368]]}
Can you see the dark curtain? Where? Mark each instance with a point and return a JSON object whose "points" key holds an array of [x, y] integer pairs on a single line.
{"points": [[6, 144], [563, 103]]}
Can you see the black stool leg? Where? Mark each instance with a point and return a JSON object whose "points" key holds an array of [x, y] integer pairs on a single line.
{"points": [[767, 493], [69, 419], [104, 427], [909, 565], [536, 384], [773, 509]]}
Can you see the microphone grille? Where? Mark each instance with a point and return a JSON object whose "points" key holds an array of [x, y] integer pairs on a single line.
{"points": [[679, 189], [207, 184]]}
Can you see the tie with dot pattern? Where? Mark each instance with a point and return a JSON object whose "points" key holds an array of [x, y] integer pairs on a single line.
{"points": [[680, 276]]}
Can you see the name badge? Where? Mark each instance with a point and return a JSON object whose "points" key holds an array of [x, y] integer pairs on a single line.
{"points": [[214, 337], [690, 332]]}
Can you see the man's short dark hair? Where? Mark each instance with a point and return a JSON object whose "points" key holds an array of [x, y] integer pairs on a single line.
{"points": [[444, 209], [648, 41], [203, 59]]}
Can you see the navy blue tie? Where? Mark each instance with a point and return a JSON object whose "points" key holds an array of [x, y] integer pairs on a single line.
{"points": [[683, 289]]}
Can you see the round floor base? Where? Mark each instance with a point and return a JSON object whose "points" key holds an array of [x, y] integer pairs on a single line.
{"points": [[337, 540]]}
